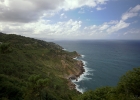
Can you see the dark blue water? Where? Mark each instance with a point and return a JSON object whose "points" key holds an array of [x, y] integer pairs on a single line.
{"points": [[105, 60]]}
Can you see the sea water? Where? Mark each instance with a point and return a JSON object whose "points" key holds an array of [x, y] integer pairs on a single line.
{"points": [[105, 61]]}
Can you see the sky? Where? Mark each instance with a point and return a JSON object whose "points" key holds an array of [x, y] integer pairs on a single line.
{"points": [[71, 19]]}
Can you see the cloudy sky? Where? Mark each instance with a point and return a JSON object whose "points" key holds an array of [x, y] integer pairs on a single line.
{"points": [[71, 19]]}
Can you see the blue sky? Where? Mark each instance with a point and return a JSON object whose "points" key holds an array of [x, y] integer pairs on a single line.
{"points": [[71, 19]]}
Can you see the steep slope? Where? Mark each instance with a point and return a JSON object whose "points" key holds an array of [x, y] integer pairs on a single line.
{"points": [[32, 69], [35, 69]]}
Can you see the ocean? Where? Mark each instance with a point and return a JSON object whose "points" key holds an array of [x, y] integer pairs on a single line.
{"points": [[105, 60]]}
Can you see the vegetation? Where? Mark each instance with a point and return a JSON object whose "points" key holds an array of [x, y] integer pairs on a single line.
{"points": [[128, 88], [32, 69]]}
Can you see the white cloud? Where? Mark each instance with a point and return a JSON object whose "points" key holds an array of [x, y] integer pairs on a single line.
{"points": [[99, 8], [114, 25], [128, 15], [107, 27], [32, 10], [73, 4], [102, 1], [63, 16], [132, 31], [43, 27], [135, 9], [48, 14], [132, 12], [112, 22], [103, 27], [28, 17], [120, 25]]}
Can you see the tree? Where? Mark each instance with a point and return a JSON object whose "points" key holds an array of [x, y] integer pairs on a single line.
{"points": [[8, 88], [35, 87], [130, 83], [5, 48], [102, 93]]}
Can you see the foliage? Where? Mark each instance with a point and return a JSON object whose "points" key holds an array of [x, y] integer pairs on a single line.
{"points": [[9, 88], [5, 48], [128, 88], [32, 69], [130, 83]]}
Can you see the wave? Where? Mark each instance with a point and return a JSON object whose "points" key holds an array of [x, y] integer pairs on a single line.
{"points": [[86, 73], [82, 90], [64, 49], [75, 58], [84, 76], [83, 56]]}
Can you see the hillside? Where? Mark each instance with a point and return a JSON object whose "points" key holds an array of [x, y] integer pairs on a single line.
{"points": [[30, 68]]}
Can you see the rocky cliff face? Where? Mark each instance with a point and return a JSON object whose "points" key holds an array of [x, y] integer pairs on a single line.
{"points": [[73, 71]]}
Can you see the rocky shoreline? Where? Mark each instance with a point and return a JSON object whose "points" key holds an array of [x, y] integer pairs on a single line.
{"points": [[81, 70]]}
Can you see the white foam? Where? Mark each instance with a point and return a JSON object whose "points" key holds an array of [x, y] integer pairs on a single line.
{"points": [[82, 77], [64, 49], [87, 72], [83, 56], [75, 58], [82, 90]]}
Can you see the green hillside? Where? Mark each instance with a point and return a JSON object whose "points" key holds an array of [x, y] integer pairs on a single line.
{"points": [[32, 69]]}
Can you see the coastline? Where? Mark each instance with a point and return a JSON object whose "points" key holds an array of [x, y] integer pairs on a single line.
{"points": [[74, 78]]}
